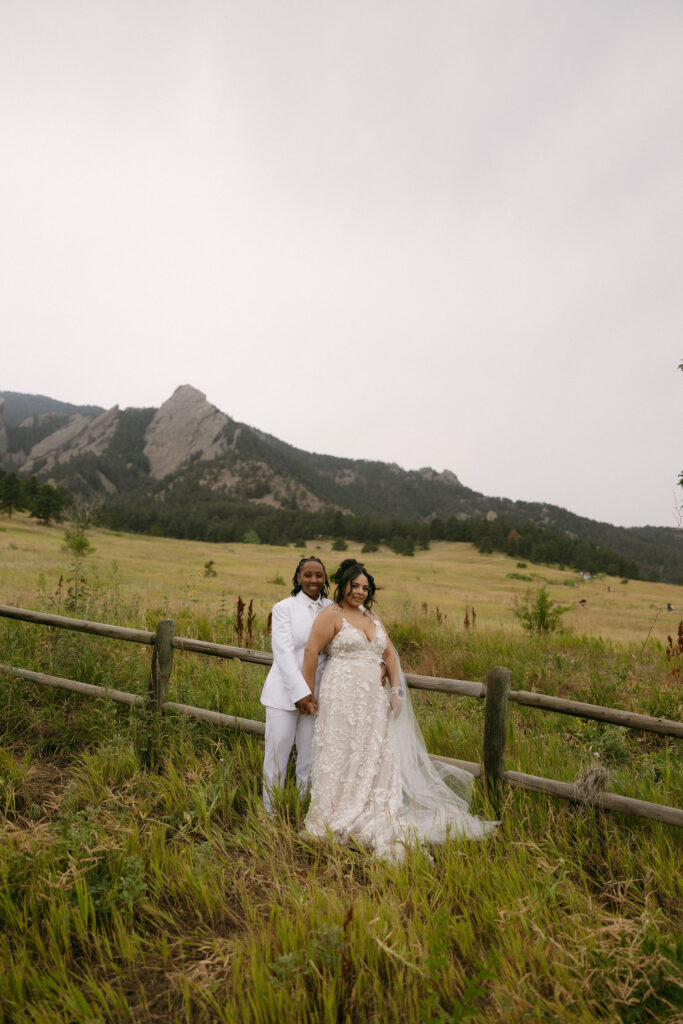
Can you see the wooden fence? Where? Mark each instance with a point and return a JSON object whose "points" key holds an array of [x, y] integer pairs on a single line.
{"points": [[495, 692]]}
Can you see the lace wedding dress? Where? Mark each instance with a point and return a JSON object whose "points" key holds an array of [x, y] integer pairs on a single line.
{"points": [[371, 778]]}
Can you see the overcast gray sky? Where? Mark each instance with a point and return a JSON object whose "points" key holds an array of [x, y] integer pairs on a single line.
{"points": [[433, 233]]}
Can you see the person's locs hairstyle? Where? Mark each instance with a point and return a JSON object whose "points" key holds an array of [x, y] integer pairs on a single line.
{"points": [[297, 586], [347, 572]]}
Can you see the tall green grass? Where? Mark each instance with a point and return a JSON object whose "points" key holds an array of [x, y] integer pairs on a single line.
{"points": [[130, 895]]}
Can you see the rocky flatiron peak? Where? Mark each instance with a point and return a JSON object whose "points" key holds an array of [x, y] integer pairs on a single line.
{"points": [[82, 435], [185, 426]]}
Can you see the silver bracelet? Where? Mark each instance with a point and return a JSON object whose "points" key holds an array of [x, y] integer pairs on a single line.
{"points": [[398, 690]]}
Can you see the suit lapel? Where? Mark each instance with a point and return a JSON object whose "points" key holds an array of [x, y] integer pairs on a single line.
{"points": [[301, 608]]}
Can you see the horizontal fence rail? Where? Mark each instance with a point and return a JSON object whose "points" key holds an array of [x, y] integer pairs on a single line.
{"points": [[458, 687], [87, 689], [518, 780], [496, 695], [136, 636]]}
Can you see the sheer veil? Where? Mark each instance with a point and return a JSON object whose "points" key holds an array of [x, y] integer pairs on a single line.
{"points": [[436, 795]]}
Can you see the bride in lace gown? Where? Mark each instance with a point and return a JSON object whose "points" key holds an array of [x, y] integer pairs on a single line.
{"points": [[372, 779]]}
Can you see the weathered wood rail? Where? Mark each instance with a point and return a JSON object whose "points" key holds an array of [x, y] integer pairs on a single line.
{"points": [[496, 692]]}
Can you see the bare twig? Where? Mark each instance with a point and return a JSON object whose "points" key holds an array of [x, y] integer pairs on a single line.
{"points": [[652, 626]]}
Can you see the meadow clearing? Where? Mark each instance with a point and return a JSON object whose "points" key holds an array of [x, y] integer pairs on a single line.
{"points": [[168, 577], [133, 895]]}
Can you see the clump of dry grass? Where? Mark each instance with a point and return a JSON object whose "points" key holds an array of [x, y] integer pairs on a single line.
{"points": [[591, 782]]}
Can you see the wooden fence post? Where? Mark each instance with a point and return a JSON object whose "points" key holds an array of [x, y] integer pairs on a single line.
{"points": [[495, 727], [157, 692]]}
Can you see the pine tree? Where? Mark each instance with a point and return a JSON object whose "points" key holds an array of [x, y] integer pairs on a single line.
{"points": [[11, 495]]}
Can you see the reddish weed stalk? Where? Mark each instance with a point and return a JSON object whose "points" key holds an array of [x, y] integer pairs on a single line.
{"points": [[674, 653], [239, 622]]}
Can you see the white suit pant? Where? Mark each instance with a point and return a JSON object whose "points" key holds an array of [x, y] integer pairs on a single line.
{"points": [[283, 730]]}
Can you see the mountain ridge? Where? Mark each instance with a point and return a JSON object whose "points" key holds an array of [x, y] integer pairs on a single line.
{"points": [[188, 443]]}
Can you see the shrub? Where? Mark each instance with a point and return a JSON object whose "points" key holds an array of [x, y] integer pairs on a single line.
{"points": [[369, 547], [76, 541], [340, 544], [402, 545], [538, 613], [251, 537]]}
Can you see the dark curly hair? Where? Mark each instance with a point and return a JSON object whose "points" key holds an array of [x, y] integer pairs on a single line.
{"points": [[297, 586], [347, 572]]}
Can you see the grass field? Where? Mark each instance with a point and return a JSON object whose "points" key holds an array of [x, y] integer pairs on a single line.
{"points": [[133, 895], [161, 575]]}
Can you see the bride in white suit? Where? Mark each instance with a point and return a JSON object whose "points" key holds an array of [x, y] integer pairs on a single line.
{"points": [[290, 702]]}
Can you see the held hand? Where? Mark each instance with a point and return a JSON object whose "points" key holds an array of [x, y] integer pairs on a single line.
{"points": [[395, 703], [307, 705]]}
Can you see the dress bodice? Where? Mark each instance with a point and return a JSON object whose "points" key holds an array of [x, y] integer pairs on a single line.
{"points": [[351, 642]]}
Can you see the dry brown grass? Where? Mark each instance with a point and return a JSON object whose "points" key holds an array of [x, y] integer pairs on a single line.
{"points": [[167, 576]]}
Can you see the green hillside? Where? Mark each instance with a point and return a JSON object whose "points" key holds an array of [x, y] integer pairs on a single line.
{"points": [[259, 483]]}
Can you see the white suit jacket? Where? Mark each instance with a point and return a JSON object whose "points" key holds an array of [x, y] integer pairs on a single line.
{"points": [[291, 627]]}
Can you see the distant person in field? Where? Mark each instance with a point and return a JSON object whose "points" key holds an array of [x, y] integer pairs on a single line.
{"points": [[290, 704]]}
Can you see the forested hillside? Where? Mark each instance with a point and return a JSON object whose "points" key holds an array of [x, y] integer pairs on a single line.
{"points": [[189, 470]]}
